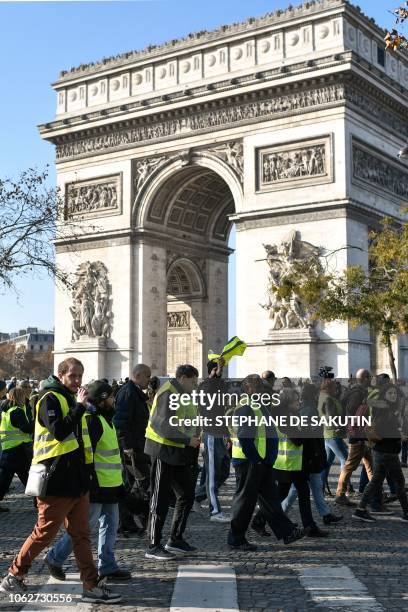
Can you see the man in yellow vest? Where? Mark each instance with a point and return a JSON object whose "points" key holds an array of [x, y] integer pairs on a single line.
{"points": [[106, 487], [254, 452], [59, 445], [173, 447]]}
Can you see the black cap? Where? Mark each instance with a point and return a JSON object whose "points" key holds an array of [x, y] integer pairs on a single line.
{"points": [[99, 390]]}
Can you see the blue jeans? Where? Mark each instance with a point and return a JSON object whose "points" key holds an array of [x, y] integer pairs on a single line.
{"points": [[216, 465], [335, 447], [107, 515], [315, 483]]}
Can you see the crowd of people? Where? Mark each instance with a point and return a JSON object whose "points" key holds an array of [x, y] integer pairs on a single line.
{"points": [[111, 460]]}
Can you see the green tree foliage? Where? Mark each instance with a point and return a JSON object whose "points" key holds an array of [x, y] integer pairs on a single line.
{"points": [[377, 296]]}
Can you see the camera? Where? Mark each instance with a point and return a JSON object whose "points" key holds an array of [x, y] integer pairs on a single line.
{"points": [[326, 372]]}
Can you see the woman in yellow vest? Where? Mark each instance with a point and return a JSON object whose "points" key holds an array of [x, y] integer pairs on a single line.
{"points": [[253, 454], [106, 487], [290, 466], [16, 428]]}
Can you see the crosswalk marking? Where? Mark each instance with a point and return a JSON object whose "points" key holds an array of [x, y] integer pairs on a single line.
{"points": [[70, 586], [335, 587], [205, 587]]}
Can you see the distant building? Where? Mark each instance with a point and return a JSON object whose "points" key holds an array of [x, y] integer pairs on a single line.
{"points": [[32, 340]]}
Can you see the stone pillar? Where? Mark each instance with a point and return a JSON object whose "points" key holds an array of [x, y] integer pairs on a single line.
{"points": [[149, 306], [216, 312]]}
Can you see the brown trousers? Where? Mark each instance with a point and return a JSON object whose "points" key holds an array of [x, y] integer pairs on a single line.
{"points": [[358, 452], [52, 512]]}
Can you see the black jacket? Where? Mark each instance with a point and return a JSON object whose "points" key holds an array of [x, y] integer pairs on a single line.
{"points": [[131, 418], [71, 476]]}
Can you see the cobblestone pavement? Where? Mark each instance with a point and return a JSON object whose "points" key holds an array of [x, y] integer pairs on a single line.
{"points": [[267, 580]]}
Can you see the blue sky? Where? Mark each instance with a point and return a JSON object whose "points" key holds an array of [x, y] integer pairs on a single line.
{"points": [[38, 39]]}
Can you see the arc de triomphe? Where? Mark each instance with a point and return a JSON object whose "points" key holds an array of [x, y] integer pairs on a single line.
{"points": [[286, 125]]}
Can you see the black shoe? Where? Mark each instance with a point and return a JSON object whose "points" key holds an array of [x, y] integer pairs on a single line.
{"points": [[331, 518], [119, 575], [55, 571], [316, 532], [296, 534], [389, 498], [362, 514], [343, 500], [380, 510], [159, 553], [179, 547], [4, 509], [100, 594], [243, 547], [260, 530]]}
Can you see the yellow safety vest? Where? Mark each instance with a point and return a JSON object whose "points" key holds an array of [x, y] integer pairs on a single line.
{"points": [[45, 445], [108, 466], [259, 441], [11, 436], [86, 441], [289, 456], [182, 412]]}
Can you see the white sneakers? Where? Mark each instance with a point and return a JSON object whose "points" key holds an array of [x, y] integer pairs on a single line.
{"points": [[220, 517]]}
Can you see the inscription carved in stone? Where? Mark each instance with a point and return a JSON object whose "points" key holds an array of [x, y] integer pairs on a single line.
{"points": [[178, 320], [98, 196], [202, 120], [377, 172], [282, 165]]}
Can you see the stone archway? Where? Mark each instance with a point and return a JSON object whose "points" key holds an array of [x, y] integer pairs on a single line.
{"points": [[186, 296], [186, 202]]}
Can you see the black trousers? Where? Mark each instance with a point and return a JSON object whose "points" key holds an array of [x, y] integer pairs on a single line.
{"points": [[256, 482], [385, 465], [166, 479], [14, 461], [299, 479]]}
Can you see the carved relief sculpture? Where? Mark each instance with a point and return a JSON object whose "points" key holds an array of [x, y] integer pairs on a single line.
{"points": [[144, 168], [91, 302], [178, 320], [196, 121], [282, 259], [285, 166], [233, 154], [94, 197], [379, 173]]}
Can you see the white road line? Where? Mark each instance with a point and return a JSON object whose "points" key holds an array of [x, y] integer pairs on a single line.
{"points": [[71, 586], [205, 587], [335, 587]]}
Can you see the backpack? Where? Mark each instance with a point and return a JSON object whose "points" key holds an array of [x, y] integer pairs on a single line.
{"points": [[355, 431]]}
